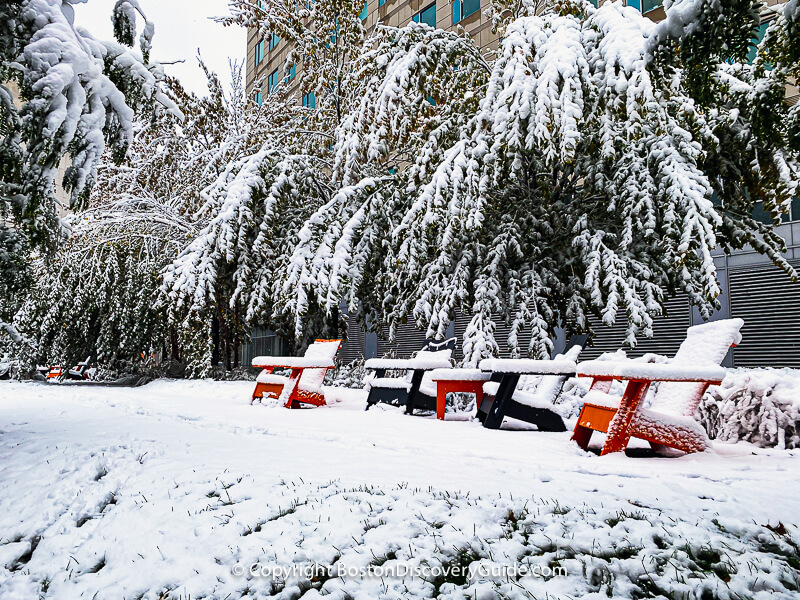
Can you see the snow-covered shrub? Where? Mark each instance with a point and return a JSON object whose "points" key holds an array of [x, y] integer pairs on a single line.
{"points": [[348, 375], [760, 406]]}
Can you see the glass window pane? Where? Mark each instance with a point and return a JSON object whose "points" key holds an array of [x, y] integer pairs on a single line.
{"points": [[762, 29], [648, 5], [456, 11], [761, 215], [469, 7], [428, 16], [637, 4]]}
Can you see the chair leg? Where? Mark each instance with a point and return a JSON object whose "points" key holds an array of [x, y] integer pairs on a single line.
{"points": [[582, 436], [619, 430], [441, 399]]}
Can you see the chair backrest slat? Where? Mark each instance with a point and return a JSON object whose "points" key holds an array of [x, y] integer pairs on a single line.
{"points": [[435, 355], [319, 349], [705, 344]]}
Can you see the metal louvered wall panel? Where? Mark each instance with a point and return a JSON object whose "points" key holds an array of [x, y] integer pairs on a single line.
{"points": [[769, 303], [668, 332], [460, 324], [354, 347], [408, 340]]}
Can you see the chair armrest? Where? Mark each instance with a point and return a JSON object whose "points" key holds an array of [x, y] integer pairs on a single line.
{"points": [[525, 366], [459, 375], [628, 369], [407, 364], [292, 362]]}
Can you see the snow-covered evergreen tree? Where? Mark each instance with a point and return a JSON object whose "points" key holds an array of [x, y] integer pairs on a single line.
{"points": [[77, 94], [77, 98], [99, 295], [594, 172]]}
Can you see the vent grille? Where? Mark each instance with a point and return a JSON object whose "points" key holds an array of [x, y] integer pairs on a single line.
{"points": [[408, 340], [354, 347], [769, 303]]}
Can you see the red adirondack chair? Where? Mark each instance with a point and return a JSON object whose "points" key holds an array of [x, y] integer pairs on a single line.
{"points": [[304, 385], [670, 419]]}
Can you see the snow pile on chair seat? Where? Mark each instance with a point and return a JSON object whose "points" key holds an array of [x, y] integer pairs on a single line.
{"points": [[265, 377], [429, 360], [760, 406], [393, 383], [575, 389]]}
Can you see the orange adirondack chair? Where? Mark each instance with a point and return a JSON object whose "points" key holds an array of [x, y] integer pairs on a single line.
{"points": [[670, 419], [304, 385]]}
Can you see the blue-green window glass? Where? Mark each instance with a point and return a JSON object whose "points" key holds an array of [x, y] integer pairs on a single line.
{"points": [[292, 73], [272, 82], [648, 5], [762, 29], [363, 14], [273, 41], [427, 16], [259, 51], [464, 8], [637, 4], [761, 215], [310, 100], [381, 2], [258, 97]]}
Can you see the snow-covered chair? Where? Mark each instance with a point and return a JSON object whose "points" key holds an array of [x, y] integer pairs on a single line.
{"points": [[304, 385], [415, 390], [536, 407], [80, 371], [669, 421]]}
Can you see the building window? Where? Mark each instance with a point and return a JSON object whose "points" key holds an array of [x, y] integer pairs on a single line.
{"points": [[751, 54], [292, 73], [762, 216], [272, 82], [259, 51], [363, 14], [310, 100], [648, 5], [464, 8], [427, 16], [273, 41], [258, 97], [381, 2]]}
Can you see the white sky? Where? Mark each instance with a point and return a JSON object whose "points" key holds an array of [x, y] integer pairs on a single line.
{"points": [[182, 26]]}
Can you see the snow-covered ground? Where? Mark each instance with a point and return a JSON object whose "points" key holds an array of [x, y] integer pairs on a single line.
{"points": [[168, 490]]}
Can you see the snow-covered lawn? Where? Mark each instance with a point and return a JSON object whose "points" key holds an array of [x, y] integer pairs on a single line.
{"points": [[165, 491]]}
